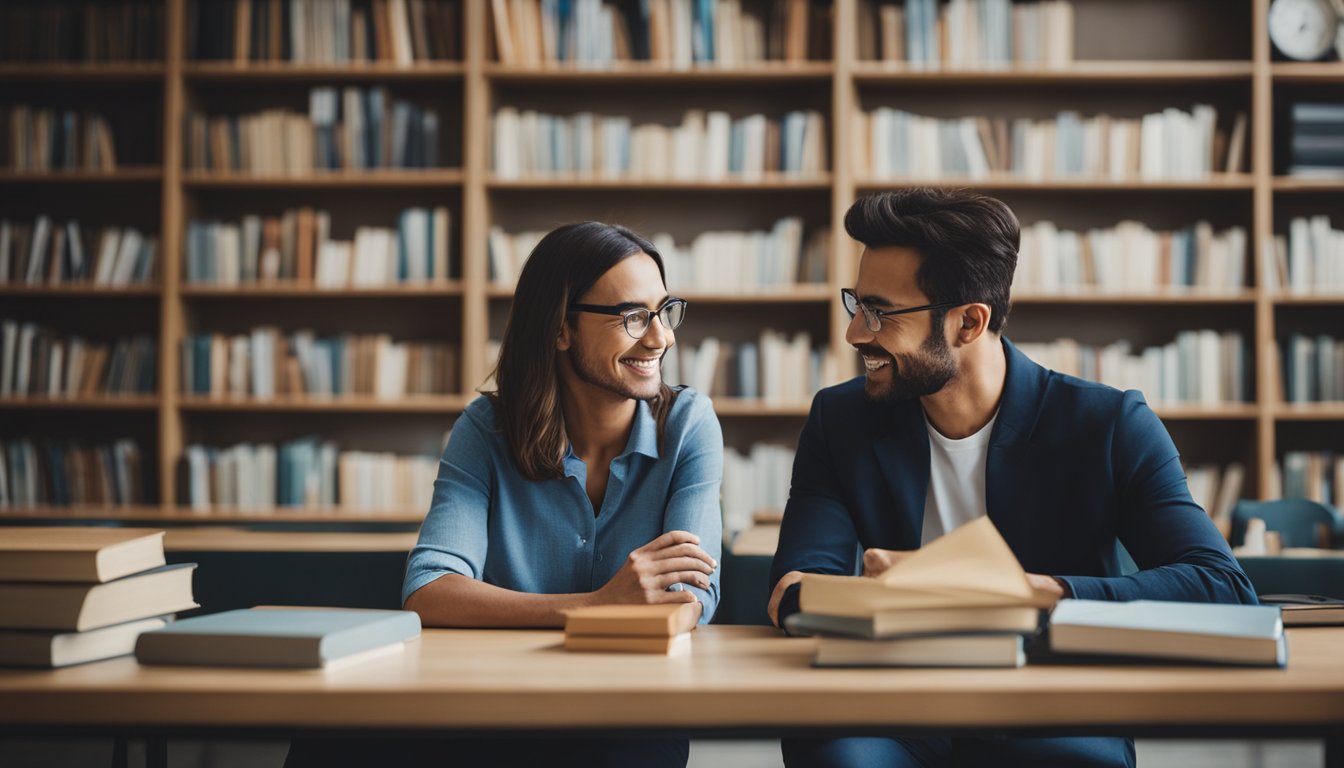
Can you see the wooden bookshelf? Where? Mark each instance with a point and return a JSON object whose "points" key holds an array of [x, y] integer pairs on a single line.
{"points": [[182, 517], [1209, 48]]}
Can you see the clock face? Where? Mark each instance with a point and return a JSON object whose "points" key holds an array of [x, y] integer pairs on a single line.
{"points": [[1303, 29]]}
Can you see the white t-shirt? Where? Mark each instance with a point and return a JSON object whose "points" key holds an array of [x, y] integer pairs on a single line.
{"points": [[956, 480]]}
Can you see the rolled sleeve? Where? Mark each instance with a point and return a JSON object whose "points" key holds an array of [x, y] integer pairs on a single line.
{"points": [[454, 535]]}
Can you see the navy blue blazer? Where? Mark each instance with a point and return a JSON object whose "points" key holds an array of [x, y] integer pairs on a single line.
{"points": [[1072, 467]]}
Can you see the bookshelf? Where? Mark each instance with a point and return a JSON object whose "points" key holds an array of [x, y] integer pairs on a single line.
{"points": [[1130, 57]]}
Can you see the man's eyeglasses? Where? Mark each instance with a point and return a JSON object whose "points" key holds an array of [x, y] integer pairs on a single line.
{"points": [[872, 318], [637, 319]]}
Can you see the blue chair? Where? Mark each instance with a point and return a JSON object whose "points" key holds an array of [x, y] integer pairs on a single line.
{"points": [[1298, 522]]}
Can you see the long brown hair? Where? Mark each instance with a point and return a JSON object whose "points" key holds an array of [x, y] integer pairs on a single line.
{"points": [[560, 270]]}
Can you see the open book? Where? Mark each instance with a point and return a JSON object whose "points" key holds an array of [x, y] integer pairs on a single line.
{"points": [[971, 567]]}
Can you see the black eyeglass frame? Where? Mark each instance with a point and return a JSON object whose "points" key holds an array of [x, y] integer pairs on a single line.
{"points": [[625, 312], [874, 316]]}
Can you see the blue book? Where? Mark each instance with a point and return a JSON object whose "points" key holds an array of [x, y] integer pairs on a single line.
{"points": [[277, 637], [1213, 633]]}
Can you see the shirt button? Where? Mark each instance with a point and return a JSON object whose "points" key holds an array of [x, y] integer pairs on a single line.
{"points": [[582, 542]]}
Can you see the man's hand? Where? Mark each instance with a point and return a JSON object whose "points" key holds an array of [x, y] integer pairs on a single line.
{"points": [[1047, 585], [877, 561], [788, 580], [673, 558]]}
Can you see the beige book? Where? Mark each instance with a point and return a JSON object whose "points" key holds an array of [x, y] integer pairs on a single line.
{"points": [[1236, 145], [80, 607], [61, 649], [77, 554], [662, 620], [968, 568], [242, 29], [677, 645], [499, 10], [795, 36]]}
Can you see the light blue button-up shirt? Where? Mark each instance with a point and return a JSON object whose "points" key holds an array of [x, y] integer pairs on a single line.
{"points": [[488, 522]]}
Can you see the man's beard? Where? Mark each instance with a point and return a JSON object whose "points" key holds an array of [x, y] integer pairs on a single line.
{"points": [[591, 371], [916, 375]]}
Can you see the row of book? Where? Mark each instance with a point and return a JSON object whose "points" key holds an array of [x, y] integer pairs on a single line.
{"points": [[705, 146], [324, 31], [347, 129], [1130, 257], [306, 473], [40, 140], [1314, 475], [673, 33], [1309, 258], [967, 34], [777, 369], [1217, 489], [77, 30], [1167, 145], [1317, 148], [40, 361], [75, 595], [1201, 367], [1313, 368], [268, 363], [297, 247], [57, 253], [748, 262], [40, 472], [754, 482]]}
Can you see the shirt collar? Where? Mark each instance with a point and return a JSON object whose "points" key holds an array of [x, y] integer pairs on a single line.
{"points": [[643, 438]]}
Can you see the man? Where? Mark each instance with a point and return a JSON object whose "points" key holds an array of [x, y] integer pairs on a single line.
{"points": [[949, 423]]}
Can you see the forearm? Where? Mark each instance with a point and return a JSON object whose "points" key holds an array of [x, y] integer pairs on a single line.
{"points": [[454, 600], [1212, 582]]}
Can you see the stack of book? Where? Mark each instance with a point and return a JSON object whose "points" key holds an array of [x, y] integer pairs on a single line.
{"points": [[1318, 140], [664, 628], [58, 253], [967, 34], [71, 595], [1313, 368], [40, 472], [37, 361], [1309, 259], [961, 601], [41, 140]]}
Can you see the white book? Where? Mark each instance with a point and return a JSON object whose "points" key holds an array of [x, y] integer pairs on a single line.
{"points": [[1202, 632], [716, 151], [9, 351], [127, 254], [37, 251]]}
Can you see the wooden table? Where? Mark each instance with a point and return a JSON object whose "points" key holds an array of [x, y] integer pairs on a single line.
{"points": [[737, 680]]}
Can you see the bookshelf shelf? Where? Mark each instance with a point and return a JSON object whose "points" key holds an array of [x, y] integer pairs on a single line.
{"points": [[398, 179], [335, 404], [1079, 72], [636, 72], [282, 72], [103, 73], [1309, 412], [1221, 182], [1309, 299], [770, 182], [309, 292], [184, 516], [1294, 184], [1224, 412], [103, 403], [1308, 72], [747, 407], [123, 175], [1159, 297], [802, 294], [82, 291]]}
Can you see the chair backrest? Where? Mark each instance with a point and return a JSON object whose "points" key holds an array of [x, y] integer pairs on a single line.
{"points": [[1297, 521]]}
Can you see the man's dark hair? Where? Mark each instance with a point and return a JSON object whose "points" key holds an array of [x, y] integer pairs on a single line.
{"points": [[967, 242]]}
